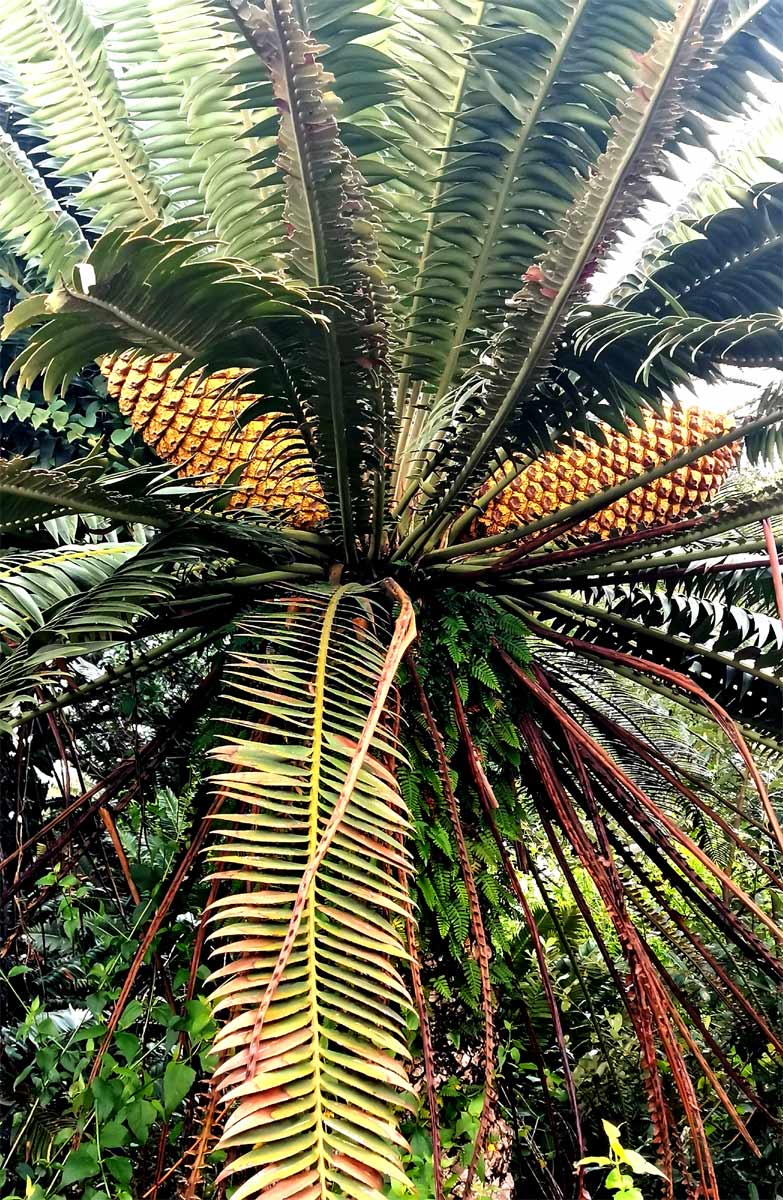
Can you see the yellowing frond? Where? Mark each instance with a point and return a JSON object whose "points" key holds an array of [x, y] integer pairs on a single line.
{"points": [[313, 1054]]}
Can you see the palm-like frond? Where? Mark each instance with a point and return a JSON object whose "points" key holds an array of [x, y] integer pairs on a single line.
{"points": [[499, 185], [135, 49], [32, 223], [742, 675], [128, 302], [97, 615], [57, 53], [312, 1057], [198, 58], [731, 264], [332, 229], [741, 38], [32, 583], [520, 350]]}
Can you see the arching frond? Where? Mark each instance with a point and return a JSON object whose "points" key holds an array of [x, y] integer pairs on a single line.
{"points": [[241, 205], [136, 55], [32, 223], [741, 672], [94, 617], [744, 163], [152, 291], [313, 1057], [364, 234], [71, 96], [730, 265], [32, 583], [742, 38], [521, 349]]}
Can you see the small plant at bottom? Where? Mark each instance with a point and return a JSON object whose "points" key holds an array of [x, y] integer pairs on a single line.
{"points": [[623, 1166]]}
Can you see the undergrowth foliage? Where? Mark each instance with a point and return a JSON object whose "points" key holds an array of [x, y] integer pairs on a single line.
{"points": [[370, 238], [459, 639]]}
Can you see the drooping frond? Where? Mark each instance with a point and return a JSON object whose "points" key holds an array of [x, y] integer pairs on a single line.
{"points": [[32, 583], [741, 673], [627, 359], [312, 1061], [30, 496], [96, 615], [152, 291]]}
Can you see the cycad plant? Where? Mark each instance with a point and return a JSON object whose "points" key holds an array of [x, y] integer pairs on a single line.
{"points": [[335, 261]]}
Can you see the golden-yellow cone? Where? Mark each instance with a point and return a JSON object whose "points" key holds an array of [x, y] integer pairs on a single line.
{"points": [[573, 473], [190, 424]]}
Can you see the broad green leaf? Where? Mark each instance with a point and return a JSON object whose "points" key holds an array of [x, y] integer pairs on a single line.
{"points": [[178, 1079], [80, 1164]]}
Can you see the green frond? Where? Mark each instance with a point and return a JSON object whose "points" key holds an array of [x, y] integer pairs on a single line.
{"points": [[744, 163], [765, 445], [329, 1025], [526, 133], [332, 229], [743, 39], [30, 496], [115, 589], [357, 53], [32, 583], [32, 223], [741, 673], [604, 341], [519, 353], [72, 97], [153, 291], [241, 203], [137, 57], [730, 266]]}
